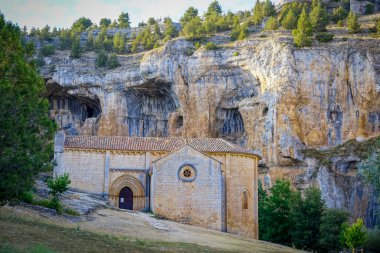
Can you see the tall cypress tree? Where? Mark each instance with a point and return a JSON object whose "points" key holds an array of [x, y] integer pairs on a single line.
{"points": [[26, 132]]}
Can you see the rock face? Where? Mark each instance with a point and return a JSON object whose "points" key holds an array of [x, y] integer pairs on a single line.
{"points": [[261, 93]]}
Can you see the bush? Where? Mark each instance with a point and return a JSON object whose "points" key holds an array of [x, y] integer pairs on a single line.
{"points": [[373, 240], [340, 23], [55, 204], [354, 236], [101, 59], [339, 14], [271, 24], [76, 49], [352, 23], [27, 197], [211, 46], [324, 37], [47, 50], [330, 229], [378, 27], [112, 62], [236, 53], [58, 185]]}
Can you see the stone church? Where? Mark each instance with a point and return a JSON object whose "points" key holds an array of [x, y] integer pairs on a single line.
{"points": [[206, 182]]}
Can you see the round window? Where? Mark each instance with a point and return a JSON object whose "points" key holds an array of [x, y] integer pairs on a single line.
{"points": [[187, 173]]}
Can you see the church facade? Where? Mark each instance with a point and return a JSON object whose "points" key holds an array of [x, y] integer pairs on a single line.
{"points": [[207, 182]]}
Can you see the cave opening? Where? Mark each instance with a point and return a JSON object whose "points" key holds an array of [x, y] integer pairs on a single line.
{"points": [[179, 122], [231, 124], [265, 111], [148, 109]]}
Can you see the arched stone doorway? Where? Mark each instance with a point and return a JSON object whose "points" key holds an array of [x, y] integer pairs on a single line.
{"points": [[126, 198], [119, 189]]}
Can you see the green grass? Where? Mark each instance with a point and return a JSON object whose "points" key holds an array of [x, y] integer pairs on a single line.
{"points": [[19, 234]]}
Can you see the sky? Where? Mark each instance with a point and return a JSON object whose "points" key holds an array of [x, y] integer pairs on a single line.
{"points": [[62, 13]]}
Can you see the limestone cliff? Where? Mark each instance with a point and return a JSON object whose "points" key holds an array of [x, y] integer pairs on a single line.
{"points": [[261, 93]]}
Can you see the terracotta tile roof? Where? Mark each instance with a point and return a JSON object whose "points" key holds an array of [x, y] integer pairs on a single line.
{"points": [[153, 144]]}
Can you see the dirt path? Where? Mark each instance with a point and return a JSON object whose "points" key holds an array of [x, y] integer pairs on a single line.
{"points": [[144, 226]]}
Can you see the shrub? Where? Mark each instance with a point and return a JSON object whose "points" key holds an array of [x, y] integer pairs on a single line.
{"points": [[352, 23], [101, 59], [119, 42], [27, 197], [240, 32], [112, 61], [58, 185], [324, 37], [271, 24], [340, 23], [236, 53], [76, 49], [355, 235], [339, 14], [40, 60], [330, 229], [378, 27], [47, 50], [373, 240], [211, 46]]}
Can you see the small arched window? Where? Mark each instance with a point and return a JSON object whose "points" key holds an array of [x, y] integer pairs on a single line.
{"points": [[245, 200]]}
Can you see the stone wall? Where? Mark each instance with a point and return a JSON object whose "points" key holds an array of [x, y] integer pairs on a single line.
{"points": [[198, 202]]}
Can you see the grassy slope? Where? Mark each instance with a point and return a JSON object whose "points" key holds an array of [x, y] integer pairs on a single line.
{"points": [[21, 234]]}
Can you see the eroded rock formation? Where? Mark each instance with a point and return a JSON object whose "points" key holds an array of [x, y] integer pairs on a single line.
{"points": [[261, 93]]}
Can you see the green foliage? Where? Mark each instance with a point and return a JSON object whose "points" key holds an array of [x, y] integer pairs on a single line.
{"points": [[124, 20], [72, 212], [268, 9], [370, 168], [151, 21], [103, 42], [101, 59], [58, 185], [47, 50], [355, 235], [40, 60], [237, 54], [147, 38], [240, 32], [112, 61], [66, 39], [290, 20], [189, 14], [26, 132], [211, 46], [170, 30], [81, 24], [319, 18], [369, 8], [324, 37], [378, 27], [304, 30], [105, 22], [352, 23], [142, 24], [306, 216], [119, 42], [340, 23], [194, 29], [372, 243], [330, 229], [90, 41], [339, 14], [257, 13], [27, 197], [214, 8], [271, 24], [76, 49], [45, 33], [274, 213]]}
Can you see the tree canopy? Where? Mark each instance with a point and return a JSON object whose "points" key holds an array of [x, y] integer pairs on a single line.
{"points": [[26, 132]]}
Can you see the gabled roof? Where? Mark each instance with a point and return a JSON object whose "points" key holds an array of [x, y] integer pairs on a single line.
{"points": [[213, 145]]}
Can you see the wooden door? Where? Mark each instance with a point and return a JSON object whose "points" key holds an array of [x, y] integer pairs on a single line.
{"points": [[126, 198]]}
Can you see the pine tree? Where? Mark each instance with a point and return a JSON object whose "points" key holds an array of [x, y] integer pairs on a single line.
{"points": [[90, 41], [124, 20], [112, 61], [26, 132], [290, 21], [304, 30], [257, 15], [271, 24], [76, 49], [352, 23], [101, 59], [319, 18], [119, 42], [268, 9]]}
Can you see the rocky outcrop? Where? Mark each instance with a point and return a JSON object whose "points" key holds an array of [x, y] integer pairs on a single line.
{"points": [[261, 93]]}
